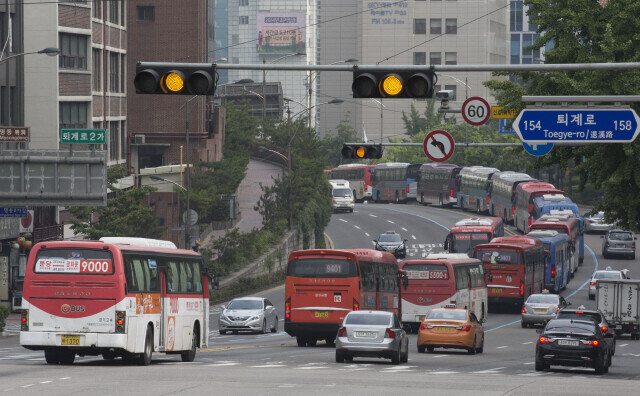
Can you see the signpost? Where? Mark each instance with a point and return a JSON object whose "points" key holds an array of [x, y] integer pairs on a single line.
{"points": [[499, 112], [21, 213], [476, 111], [577, 125], [83, 136], [15, 134], [438, 145]]}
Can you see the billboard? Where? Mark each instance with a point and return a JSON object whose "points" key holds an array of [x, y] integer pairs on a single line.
{"points": [[281, 33]]}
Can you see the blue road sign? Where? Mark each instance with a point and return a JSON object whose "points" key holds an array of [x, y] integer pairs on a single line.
{"points": [[22, 213], [502, 127], [537, 150], [577, 125]]}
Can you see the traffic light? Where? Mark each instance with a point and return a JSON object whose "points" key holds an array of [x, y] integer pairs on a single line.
{"points": [[175, 79], [361, 151], [390, 85]]}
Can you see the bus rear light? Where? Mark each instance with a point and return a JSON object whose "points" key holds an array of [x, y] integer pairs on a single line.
{"points": [[342, 332], [553, 270], [487, 200], [287, 309], [24, 320], [521, 289], [464, 328], [389, 333], [121, 321], [407, 189], [513, 209], [604, 329], [451, 195], [592, 283], [356, 305]]}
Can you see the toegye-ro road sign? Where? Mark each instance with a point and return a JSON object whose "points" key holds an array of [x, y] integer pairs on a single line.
{"points": [[577, 125]]}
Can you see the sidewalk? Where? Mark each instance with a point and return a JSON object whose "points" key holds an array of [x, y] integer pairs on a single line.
{"points": [[12, 325]]}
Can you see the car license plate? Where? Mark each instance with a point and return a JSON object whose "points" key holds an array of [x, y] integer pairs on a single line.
{"points": [[321, 314], [568, 342], [619, 246], [367, 334], [618, 327], [70, 340], [540, 310], [444, 329], [391, 251], [496, 290]]}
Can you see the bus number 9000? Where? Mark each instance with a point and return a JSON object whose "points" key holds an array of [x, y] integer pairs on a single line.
{"points": [[95, 266]]}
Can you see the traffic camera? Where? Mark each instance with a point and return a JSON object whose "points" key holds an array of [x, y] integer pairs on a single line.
{"points": [[390, 85], [362, 151], [175, 79]]}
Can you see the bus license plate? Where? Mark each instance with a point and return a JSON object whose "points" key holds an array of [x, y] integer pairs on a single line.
{"points": [[70, 340], [321, 314], [496, 290], [568, 342]]}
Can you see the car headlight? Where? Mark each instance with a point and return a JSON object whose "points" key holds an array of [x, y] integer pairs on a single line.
{"points": [[256, 317], [223, 317]]}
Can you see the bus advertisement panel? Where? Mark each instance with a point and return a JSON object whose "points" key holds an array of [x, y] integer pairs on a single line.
{"points": [[126, 297], [524, 209], [502, 194], [514, 268], [467, 233], [556, 270], [359, 177], [391, 181], [474, 183], [442, 279], [322, 286], [565, 225], [437, 184]]}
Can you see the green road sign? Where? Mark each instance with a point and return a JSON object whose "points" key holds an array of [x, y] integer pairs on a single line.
{"points": [[83, 136]]}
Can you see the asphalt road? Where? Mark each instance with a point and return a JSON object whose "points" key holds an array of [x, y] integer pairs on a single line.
{"points": [[273, 364]]}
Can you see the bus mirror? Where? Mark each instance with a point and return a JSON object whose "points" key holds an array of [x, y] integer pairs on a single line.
{"points": [[547, 253], [446, 243], [405, 281]]}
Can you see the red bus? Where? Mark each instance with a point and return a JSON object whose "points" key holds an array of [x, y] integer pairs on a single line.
{"points": [[514, 268], [564, 224], [442, 279], [322, 286], [523, 210], [359, 177], [125, 297], [467, 233]]}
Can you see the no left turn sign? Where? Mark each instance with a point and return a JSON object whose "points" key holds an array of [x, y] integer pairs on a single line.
{"points": [[438, 145], [476, 111]]}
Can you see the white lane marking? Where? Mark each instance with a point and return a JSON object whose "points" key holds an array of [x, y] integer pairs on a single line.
{"points": [[343, 220], [439, 356], [26, 386], [36, 359], [398, 368], [531, 374], [222, 364], [372, 215], [404, 229], [269, 366], [504, 346], [444, 372], [489, 371], [623, 345], [65, 378], [356, 226], [311, 367], [530, 363], [46, 382], [389, 221], [287, 386], [367, 234], [413, 236], [527, 343]]}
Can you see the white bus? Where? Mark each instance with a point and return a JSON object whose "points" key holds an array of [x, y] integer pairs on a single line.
{"points": [[121, 297]]}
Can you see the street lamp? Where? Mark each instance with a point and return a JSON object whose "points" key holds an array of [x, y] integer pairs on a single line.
{"points": [[50, 51]]}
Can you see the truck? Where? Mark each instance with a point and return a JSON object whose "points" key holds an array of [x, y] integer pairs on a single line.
{"points": [[618, 299]]}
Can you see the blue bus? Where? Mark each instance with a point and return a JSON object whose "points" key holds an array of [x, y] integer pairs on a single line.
{"points": [[557, 265], [474, 183], [391, 181], [557, 204]]}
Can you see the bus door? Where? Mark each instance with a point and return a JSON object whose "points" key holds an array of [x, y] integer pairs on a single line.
{"points": [[204, 334], [163, 309]]}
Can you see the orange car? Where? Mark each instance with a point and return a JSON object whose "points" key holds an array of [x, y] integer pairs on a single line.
{"points": [[451, 327]]}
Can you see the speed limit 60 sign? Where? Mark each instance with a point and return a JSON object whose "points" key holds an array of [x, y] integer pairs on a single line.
{"points": [[476, 111]]}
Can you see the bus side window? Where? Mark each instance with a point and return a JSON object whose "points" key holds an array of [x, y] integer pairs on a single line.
{"points": [[197, 277], [183, 278], [173, 279], [135, 275]]}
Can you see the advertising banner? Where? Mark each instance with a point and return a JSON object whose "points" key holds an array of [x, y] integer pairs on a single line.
{"points": [[281, 33]]}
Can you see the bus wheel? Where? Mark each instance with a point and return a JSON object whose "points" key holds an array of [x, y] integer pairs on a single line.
{"points": [[422, 199], [110, 355], [312, 341], [478, 207], [302, 341], [190, 355], [51, 356], [397, 200], [145, 356], [441, 202], [67, 357]]}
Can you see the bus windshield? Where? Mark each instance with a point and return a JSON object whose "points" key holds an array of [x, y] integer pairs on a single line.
{"points": [[426, 271], [322, 268], [498, 257], [466, 241], [74, 261]]}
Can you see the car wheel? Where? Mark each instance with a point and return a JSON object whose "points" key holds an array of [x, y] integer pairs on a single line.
{"points": [[263, 330], [348, 358], [421, 348], [405, 356], [472, 350], [190, 355], [524, 324], [541, 365], [600, 366], [395, 359], [302, 341], [145, 357], [339, 357], [51, 356], [430, 348], [222, 332], [481, 349], [274, 329]]}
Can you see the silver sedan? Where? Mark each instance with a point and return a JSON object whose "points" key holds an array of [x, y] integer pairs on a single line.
{"points": [[256, 314], [596, 223], [540, 308], [372, 334]]}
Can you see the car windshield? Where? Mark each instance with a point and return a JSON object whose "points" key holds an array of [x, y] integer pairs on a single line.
{"points": [[580, 316], [368, 319], [608, 275], [542, 299], [341, 192], [245, 305], [390, 238], [564, 329], [450, 315], [621, 236]]}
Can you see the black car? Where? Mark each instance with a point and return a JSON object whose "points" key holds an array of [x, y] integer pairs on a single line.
{"points": [[590, 314], [392, 242], [569, 342]]}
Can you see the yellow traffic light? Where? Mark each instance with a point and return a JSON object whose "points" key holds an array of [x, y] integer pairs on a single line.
{"points": [[391, 85], [400, 83], [361, 152], [175, 78], [172, 82]]}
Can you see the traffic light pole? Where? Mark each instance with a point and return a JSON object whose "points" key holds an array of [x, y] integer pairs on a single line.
{"points": [[187, 223]]}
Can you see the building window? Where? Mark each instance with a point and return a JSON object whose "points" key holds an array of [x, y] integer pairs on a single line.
{"points": [[73, 49], [96, 68], [146, 13], [114, 132], [244, 20], [515, 48], [97, 8], [114, 10], [123, 140], [114, 72], [435, 26], [451, 26], [516, 16], [419, 58], [527, 51], [435, 58], [450, 58], [123, 73], [420, 26], [244, 2], [73, 114]]}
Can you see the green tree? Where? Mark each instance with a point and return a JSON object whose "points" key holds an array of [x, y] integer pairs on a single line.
{"points": [[583, 31], [124, 215]]}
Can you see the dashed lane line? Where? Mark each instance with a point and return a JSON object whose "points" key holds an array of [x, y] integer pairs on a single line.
{"points": [[501, 347]]}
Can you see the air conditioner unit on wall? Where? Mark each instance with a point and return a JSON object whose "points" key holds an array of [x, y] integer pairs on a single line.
{"points": [[139, 139]]}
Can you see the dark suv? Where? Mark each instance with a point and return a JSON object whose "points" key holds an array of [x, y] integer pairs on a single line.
{"points": [[597, 316], [392, 242]]}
